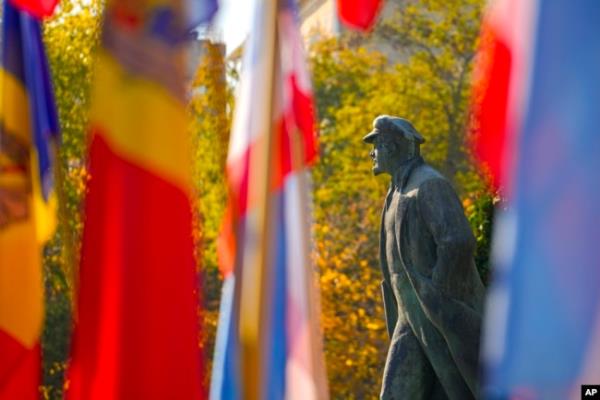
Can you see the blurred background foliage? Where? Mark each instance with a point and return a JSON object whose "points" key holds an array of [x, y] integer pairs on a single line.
{"points": [[210, 120], [70, 37], [415, 64]]}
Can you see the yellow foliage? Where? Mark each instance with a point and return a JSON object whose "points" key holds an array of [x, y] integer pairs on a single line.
{"points": [[70, 37], [210, 122], [426, 82]]}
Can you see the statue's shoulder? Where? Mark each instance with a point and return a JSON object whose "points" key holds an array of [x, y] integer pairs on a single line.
{"points": [[422, 174]]}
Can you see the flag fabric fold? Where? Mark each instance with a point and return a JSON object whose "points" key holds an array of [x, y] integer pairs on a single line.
{"points": [[28, 134], [359, 14], [36, 8], [501, 85], [201, 12], [268, 340], [136, 330], [543, 318]]}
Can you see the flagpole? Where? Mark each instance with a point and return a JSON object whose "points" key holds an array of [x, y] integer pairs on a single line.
{"points": [[255, 274]]}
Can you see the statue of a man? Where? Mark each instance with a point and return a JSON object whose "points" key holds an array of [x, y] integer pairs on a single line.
{"points": [[433, 295]]}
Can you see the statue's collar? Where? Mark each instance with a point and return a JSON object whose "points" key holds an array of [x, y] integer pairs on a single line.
{"points": [[400, 180]]}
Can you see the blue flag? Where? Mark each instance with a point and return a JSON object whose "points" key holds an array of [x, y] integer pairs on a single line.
{"points": [[543, 331]]}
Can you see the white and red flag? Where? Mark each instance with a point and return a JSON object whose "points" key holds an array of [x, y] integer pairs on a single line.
{"points": [[269, 343]]}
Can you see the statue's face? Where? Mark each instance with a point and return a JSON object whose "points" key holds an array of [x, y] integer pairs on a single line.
{"points": [[383, 154], [388, 154]]}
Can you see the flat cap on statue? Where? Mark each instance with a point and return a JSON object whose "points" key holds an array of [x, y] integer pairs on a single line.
{"points": [[393, 125]]}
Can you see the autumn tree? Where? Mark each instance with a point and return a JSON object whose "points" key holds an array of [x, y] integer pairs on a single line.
{"points": [[346, 200], [70, 38], [210, 109], [426, 80], [439, 38]]}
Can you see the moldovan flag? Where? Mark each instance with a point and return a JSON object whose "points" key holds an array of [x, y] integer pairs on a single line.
{"points": [[136, 328], [540, 134], [28, 126], [359, 14], [268, 341]]}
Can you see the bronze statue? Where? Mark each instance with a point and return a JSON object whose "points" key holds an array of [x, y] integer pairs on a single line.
{"points": [[433, 295]]}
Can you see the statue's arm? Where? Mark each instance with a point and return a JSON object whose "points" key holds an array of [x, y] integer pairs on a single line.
{"points": [[444, 217]]}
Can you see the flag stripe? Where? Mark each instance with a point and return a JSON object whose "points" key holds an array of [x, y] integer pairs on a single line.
{"points": [[224, 382], [161, 113], [37, 8], [238, 169], [303, 380], [21, 282], [125, 311], [43, 110], [20, 369], [492, 94], [501, 89], [276, 340], [12, 47], [14, 109]]}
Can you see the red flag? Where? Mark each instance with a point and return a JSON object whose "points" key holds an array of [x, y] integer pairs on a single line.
{"points": [[37, 8], [359, 14], [500, 86], [136, 333]]}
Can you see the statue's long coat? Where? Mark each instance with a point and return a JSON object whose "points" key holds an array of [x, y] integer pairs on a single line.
{"points": [[437, 290]]}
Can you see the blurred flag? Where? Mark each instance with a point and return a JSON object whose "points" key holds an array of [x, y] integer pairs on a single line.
{"points": [[136, 331], [36, 8], [359, 14], [28, 131], [201, 12], [500, 87], [543, 329], [268, 342]]}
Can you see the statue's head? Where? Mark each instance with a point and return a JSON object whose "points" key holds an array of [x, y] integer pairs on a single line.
{"points": [[395, 141]]}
